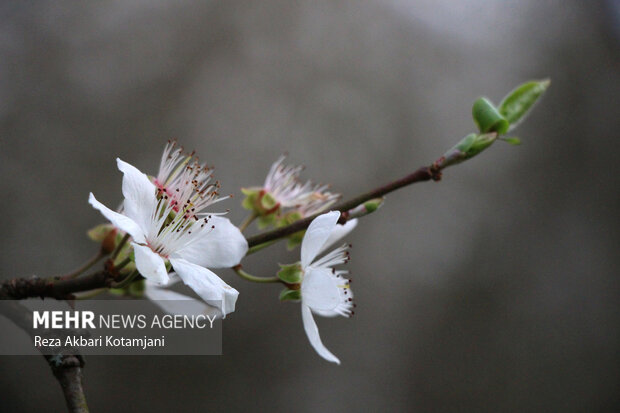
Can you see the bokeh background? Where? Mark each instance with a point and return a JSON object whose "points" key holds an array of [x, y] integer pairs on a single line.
{"points": [[494, 290]]}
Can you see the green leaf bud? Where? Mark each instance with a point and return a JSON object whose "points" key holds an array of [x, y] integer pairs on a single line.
{"points": [[479, 144], [518, 103], [373, 204], [291, 273], [468, 147], [366, 208], [488, 118]]}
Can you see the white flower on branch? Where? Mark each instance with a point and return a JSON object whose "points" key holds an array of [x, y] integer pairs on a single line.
{"points": [[324, 290], [283, 189], [282, 182], [166, 222]]}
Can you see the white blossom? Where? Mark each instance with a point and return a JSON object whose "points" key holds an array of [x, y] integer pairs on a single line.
{"points": [[167, 222], [325, 291], [284, 186]]}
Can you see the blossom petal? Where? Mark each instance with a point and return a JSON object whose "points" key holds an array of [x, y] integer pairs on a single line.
{"points": [[149, 264], [118, 220], [207, 285], [316, 235], [339, 232], [312, 331], [139, 193], [320, 291], [175, 303], [221, 247]]}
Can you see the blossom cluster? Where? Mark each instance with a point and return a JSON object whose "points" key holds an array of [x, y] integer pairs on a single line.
{"points": [[175, 235]]}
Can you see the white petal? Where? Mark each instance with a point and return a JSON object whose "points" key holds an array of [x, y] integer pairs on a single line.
{"points": [[207, 285], [221, 247], [316, 235], [320, 291], [139, 193], [175, 303], [312, 331], [339, 232], [149, 264], [119, 220]]}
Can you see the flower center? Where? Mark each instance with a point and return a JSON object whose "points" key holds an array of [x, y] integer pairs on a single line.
{"points": [[184, 190]]}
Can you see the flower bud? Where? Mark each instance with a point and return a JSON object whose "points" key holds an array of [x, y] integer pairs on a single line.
{"points": [[290, 295], [366, 208], [291, 273]]}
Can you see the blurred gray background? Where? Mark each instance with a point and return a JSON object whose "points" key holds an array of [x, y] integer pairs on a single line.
{"points": [[494, 290]]}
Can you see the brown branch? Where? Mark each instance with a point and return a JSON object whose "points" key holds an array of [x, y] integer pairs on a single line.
{"points": [[66, 368], [62, 289], [422, 174], [20, 288], [68, 372]]}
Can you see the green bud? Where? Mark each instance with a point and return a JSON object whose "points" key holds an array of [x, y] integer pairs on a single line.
{"points": [[464, 144], [488, 118], [290, 295], [373, 204], [468, 147], [291, 273], [480, 143], [517, 103], [366, 208], [457, 153]]}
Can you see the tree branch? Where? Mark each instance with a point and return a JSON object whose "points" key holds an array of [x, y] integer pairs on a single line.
{"points": [[425, 173], [20, 288], [66, 368], [68, 372], [62, 289]]}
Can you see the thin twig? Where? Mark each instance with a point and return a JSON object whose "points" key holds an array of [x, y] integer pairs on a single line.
{"points": [[422, 174], [241, 273], [247, 221], [88, 264], [120, 246]]}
